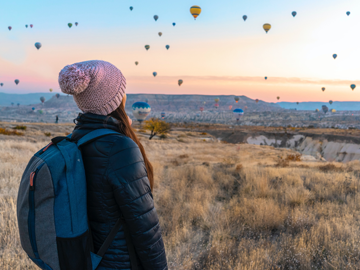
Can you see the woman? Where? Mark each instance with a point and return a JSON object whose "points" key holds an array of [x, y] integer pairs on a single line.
{"points": [[119, 175]]}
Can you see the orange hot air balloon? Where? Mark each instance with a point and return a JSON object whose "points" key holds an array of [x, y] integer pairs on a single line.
{"points": [[230, 107]]}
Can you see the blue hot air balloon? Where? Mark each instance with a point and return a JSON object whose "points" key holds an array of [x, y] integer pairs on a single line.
{"points": [[293, 13], [265, 78], [33, 108], [174, 24], [244, 17], [325, 109], [348, 13], [162, 115], [334, 55], [156, 17], [154, 73], [167, 47], [238, 113], [26, 25], [351, 86], [17, 81], [131, 8], [141, 110], [1, 84], [38, 45]]}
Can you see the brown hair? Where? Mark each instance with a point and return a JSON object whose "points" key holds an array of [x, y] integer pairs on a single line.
{"points": [[125, 128]]}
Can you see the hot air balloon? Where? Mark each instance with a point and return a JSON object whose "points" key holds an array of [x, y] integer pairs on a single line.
{"points": [[40, 111], [146, 100], [297, 103], [50, 90], [330, 102], [31, 26], [323, 89], [136, 62], [238, 113], [217, 100], [12, 103], [160, 34], [265, 78], [204, 102], [245, 108], [18, 104], [26, 25], [147, 47], [317, 110], [293, 13], [156, 17], [352, 86], [57, 95], [266, 27], [33, 108], [131, 8], [42, 99], [9, 27], [244, 17], [76, 24], [324, 108], [173, 24], [216, 105], [1, 84], [348, 13], [70, 25], [236, 99], [37, 45], [230, 107], [167, 47], [180, 82], [334, 55], [333, 110], [17, 81], [256, 100], [201, 109], [162, 115], [195, 11], [141, 110], [278, 98], [154, 73]]}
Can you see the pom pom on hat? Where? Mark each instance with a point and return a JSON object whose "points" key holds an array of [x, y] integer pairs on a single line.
{"points": [[74, 79]]}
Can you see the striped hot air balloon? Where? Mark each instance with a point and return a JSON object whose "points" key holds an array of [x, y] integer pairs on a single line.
{"points": [[195, 11]]}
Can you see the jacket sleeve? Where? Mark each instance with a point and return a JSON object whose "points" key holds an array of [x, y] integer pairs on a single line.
{"points": [[127, 175]]}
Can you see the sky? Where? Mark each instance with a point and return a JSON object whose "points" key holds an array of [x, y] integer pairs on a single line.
{"points": [[216, 54]]}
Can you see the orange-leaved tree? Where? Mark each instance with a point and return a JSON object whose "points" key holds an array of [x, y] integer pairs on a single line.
{"points": [[157, 126]]}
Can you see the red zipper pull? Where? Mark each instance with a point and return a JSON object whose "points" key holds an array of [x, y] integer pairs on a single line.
{"points": [[32, 181], [47, 146]]}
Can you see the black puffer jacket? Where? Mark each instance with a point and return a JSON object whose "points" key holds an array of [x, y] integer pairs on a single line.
{"points": [[117, 184]]}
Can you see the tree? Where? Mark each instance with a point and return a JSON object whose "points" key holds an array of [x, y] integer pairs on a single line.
{"points": [[157, 126]]}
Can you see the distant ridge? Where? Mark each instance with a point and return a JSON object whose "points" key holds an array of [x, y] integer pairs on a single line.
{"points": [[311, 106]]}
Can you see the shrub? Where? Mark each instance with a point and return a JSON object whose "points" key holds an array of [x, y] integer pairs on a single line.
{"points": [[330, 168], [203, 133], [184, 156], [20, 127], [163, 136], [239, 167], [12, 132], [47, 134]]}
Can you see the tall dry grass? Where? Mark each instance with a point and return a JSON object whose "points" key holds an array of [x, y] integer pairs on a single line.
{"points": [[224, 206]]}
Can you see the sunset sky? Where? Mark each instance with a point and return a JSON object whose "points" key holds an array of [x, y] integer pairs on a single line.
{"points": [[216, 54]]}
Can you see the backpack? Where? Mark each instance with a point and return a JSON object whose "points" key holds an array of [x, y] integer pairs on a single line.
{"points": [[52, 209]]}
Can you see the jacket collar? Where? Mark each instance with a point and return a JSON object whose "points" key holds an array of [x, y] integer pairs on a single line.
{"points": [[87, 122]]}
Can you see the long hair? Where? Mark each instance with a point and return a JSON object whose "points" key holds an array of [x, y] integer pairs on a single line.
{"points": [[125, 128]]}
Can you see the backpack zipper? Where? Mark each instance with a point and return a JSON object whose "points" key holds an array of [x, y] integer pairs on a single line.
{"points": [[31, 217]]}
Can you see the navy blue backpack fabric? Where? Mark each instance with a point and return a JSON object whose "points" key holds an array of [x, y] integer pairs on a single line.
{"points": [[117, 184]]}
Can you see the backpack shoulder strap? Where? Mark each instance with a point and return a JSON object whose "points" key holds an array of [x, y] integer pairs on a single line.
{"points": [[93, 135]]}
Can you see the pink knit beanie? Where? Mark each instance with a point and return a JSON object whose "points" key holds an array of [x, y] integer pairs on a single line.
{"points": [[97, 86]]}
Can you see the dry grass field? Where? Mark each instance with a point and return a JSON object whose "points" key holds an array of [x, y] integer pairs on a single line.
{"points": [[223, 206]]}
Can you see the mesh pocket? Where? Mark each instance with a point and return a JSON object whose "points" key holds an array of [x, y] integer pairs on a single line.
{"points": [[74, 253]]}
